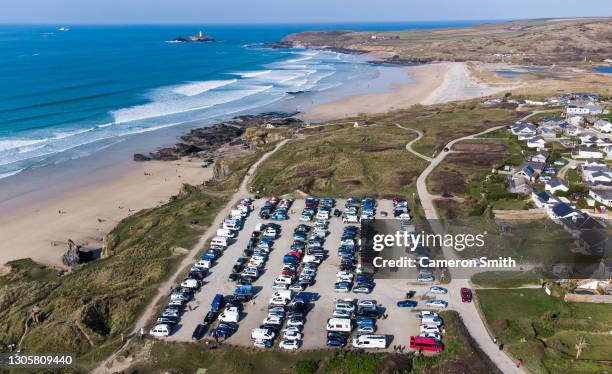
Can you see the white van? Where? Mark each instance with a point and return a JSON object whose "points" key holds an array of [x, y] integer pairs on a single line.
{"points": [[220, 241], [285, 294], [206, 264], [312, 258], [230, 314], [160, 330], [190, 283], [339, 324], [226, 233], [430, 320], [262, 334], [370, 341], [284, 279], [231, 224]]}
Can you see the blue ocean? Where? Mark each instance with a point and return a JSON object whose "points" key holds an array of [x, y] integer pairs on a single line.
{"points": [[65, 94]]}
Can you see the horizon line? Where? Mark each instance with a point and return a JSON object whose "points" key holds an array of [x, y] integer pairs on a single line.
{"points": [[291, 23]]}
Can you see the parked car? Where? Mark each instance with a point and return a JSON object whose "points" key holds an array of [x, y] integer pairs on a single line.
{"points": [[438, 290], [290, 344], [407, 304], [436, 303], [198, 333], [466, 295]]}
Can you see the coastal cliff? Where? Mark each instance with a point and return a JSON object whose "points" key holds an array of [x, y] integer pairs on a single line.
{"points": [[572, 42]]}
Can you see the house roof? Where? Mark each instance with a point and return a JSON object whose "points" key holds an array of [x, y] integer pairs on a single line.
{"points": [[603, 193], [562, 210], [555, 182]]}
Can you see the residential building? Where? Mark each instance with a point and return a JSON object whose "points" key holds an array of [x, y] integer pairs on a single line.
{"points": [[524, 129], [547, 133], [575, 121], [603, 125], [571, 130], [543, 199], [554, 185], [540, 156], [536, 142], [587, 152], [563, 211], [602, 196]]}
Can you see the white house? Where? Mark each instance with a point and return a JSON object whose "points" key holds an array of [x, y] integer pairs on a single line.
{"points": [[540, 156], [562, 210], [554, 185], [589, 153], [543, 199], [575, 120], [591, 162], [524, 129], [571, 131], [603, 125], [547, 133], [579, 110], [597, 174], [603, 196], [536, 142]]}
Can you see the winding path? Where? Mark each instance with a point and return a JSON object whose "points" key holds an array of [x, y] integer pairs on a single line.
{"points": [[165, 287], [409, 145], [468, 311]]}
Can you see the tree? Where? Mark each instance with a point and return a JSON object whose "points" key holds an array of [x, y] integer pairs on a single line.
{"points": [[581, 345], [508, 94]]}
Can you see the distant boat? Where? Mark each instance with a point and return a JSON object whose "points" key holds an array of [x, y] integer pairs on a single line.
{"points": [[63, 29]]}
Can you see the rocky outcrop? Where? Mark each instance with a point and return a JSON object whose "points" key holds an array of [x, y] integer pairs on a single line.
{"points": [[203, 142], [73, 254]]}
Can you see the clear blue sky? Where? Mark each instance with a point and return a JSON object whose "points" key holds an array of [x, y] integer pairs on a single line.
{"points": [[288, 11]]}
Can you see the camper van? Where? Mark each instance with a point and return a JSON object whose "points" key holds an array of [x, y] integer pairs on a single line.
{"points": [[262, 334], [339, 324], [370, 341], [220, 241], [232, 224], [231, 314], [190, 283], [206, 264], [160, 330]]}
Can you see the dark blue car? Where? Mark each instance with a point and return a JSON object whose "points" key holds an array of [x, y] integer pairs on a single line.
{"points": [[406, 303]]}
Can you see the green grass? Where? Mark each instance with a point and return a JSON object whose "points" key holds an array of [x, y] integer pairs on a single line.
{"points": [[342, 162], [543, 330], [505, 279], [103, 297]]}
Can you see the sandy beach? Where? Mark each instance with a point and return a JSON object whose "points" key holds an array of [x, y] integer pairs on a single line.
{"points": [[31, 224], [38, 223], [432, 84]]}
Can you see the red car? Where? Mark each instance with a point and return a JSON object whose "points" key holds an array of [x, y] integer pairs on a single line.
{"points": [[466, 295]]}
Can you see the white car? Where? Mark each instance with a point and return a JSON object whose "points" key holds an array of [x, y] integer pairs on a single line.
{"points": [[295, 323], [305, 218], [260, 343], [273, 320], [290, 344], [435, 335], [344, 275], [279, 286], [426, 313], [368, 303], [278, 300], [438, 290], [426, 329], [341, 313], [436, 303], [292, 335], [291, 329]]}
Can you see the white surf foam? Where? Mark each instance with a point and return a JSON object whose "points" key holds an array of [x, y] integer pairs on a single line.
{"points": [[196, 88]]}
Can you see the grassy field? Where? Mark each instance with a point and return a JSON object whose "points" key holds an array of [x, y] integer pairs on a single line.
{"points": [[342, 161], [85, 311], [505, 279], [543, 331]]}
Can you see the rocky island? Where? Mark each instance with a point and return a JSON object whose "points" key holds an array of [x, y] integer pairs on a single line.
{"points": [[195, 38]]}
